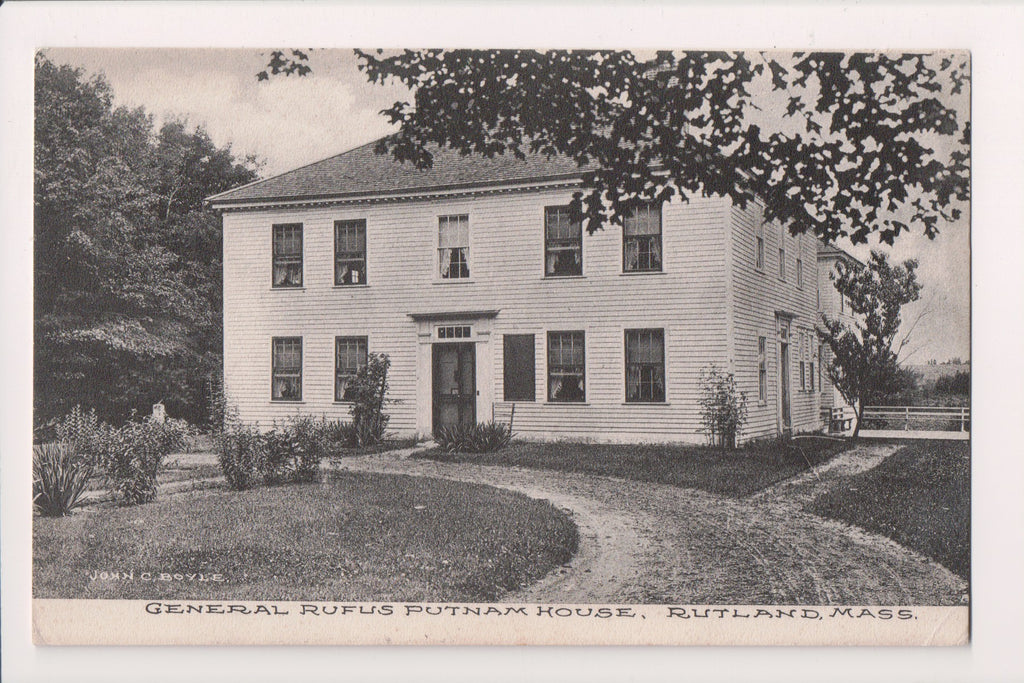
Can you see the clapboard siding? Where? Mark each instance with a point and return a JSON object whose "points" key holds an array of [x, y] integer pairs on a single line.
{"points": [[757, 296], [688, 300], [830, 305]]}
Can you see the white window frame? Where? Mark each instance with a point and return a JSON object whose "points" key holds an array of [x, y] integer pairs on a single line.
{"points": [[441, 249]]}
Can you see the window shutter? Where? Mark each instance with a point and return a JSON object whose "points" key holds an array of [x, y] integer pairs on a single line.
{"points": [[520, 368]]}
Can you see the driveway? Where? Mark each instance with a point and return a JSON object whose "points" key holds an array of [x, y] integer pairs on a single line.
{"points": [[653, 543]]}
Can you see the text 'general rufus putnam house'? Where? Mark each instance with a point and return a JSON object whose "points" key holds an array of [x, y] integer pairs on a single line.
{"points": [[471, 277]]}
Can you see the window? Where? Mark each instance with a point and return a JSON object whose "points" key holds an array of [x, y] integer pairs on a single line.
{"points": [[782, 263], [762, 370], [350, 252], [566, 367], [349, 359], [288, 255], [811, 371], [759, 238], [520, 376], [286, 382], [641, 240], [645, 366], [821, 364], [453, 247], [563, 243], [454, 332], [799, 273], [842, 303]]}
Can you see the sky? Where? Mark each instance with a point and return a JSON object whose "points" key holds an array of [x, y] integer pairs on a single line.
{"points": [[287, 122]]}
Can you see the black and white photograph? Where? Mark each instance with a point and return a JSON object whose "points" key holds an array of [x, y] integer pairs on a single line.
{"points": [[491, 345]]}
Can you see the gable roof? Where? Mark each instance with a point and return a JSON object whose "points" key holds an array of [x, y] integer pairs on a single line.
{"points": [[362, 172]]}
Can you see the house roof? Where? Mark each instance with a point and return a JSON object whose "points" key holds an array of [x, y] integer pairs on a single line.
{"points": [[361, 172], [830, 250]]}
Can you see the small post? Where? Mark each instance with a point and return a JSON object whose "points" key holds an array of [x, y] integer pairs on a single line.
{"points": [[159, 413], [906, 426]]}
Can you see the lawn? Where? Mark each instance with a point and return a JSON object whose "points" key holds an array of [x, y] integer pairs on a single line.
{"points": [[734, 473], [919, 497], [351, 537]]}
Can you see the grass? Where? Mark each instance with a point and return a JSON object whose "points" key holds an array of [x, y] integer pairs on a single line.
{"points": [[382, 447], [734, 473], [920, 497], [351, 537]]}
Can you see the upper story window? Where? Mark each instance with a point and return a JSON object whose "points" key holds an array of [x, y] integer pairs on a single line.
{"points": [[782, 263], [645, 366], [453, 247], [641, 239], [759, 240], [286, 364], [287, 255], [350, 252], [563, 243], [800, 273], [566, 367], [349, 359]]}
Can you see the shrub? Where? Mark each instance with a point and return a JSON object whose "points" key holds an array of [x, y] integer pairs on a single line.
{"points": [[293, 451], [78, 429], [369, 396], [959, 383], [723, 408], [240, 452], [485, 437], [130, 456], [59, 477]]}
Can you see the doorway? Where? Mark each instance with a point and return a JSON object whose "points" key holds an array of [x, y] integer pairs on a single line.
{"points": [[454, 385], [787, 420]]}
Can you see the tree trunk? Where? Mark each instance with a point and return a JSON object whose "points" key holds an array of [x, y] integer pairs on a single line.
{"points": [[859, 412]]}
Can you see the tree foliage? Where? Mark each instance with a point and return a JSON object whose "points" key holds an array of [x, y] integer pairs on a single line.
{"points": [[127, 262], [840, 144], [864, 366]]}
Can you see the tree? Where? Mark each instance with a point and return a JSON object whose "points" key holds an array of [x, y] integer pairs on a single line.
{"points": [[864, 366], [127, 264], [840, 144]]}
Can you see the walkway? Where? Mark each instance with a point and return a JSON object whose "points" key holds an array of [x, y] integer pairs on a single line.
{"points": [[652, 543]]}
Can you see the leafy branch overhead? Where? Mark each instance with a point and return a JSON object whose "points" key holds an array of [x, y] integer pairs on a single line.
{"points": [[840, 144]]}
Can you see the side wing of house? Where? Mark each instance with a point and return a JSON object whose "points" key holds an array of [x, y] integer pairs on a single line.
{"points": [[833, 304], [773, 308]]}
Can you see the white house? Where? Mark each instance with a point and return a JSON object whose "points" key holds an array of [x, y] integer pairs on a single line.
{"points": [[471, 277], [834, 407]]}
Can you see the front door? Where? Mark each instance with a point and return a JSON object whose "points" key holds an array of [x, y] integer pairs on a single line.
{"points": [[454, 385], [787, 422]]}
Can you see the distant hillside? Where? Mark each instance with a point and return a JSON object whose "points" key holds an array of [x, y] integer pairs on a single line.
{"points": [[929, 373]]}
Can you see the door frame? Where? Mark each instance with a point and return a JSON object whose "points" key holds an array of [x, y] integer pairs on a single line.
{"points": [[465, 400], [783, 342]]}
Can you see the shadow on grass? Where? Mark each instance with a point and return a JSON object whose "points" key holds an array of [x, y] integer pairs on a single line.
{"points": [[920, 497], [735, 473]]}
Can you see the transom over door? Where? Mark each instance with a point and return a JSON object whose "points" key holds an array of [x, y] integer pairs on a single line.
{"points": [[454, 383]]}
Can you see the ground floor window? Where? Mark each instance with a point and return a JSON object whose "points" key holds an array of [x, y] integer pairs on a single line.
{"points": [[286, 363], [350, 358], [519, 378], [645, 366], [566, 367], [762, 370]]}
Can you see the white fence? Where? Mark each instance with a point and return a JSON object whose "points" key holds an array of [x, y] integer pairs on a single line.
{"points": [[916, 422]]}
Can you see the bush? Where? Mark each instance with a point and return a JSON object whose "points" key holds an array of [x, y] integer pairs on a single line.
{"points": [[485, 437], [240, 452], [959, 383], [130, 456], [59, 477], [369, 396], [293, 451], [723, 408]]}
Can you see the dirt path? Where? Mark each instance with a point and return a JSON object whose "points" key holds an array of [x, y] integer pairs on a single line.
{"points": [[652, 543]]}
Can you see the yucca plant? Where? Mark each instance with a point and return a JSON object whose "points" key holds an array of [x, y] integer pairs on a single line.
{"points": [[59, 478]]}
